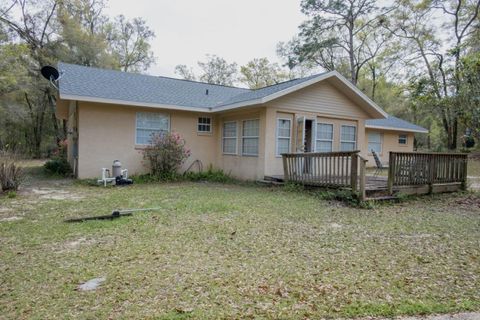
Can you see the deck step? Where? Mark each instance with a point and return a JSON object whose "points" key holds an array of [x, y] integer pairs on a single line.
{"points": [[273, 178], [271, 182]]}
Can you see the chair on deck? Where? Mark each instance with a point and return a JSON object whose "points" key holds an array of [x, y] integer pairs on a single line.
{"points": [[378, 163]]}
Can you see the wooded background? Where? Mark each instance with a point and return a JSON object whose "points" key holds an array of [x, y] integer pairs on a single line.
{"points": [[419, 60]]}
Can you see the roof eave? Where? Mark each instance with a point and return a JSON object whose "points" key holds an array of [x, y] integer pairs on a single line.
{"points": [[396, 129], [134, 103]]}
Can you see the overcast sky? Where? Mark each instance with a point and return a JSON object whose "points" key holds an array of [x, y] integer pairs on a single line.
{"points": [[187, 30]]}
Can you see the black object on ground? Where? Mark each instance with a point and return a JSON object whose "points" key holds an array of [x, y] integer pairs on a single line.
{"points": [[115, 214], [121, 181]]}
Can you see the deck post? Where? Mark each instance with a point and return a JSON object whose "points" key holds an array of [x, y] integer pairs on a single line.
{"points": [[285, 168], [354, 172], [391, 172], [362, 192], [464, 169], [433, 170]]}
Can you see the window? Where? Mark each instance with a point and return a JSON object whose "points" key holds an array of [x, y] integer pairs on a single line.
{"points": [[148, 124], [375, 142], [250, 134], [229, 145], [324, 139], [348, 138], [283, 136], [204, 125], [402, 139]]}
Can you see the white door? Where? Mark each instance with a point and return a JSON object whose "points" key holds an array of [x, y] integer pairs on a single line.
{"points": [[300, 135]]}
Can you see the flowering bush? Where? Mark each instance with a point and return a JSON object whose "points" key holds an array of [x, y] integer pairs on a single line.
{"points": [[165, 154]]}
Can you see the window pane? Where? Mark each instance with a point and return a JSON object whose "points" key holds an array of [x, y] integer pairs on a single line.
{"points": [[348, 133], [374, 137], [375, 142], [251, 128], [283, 145], [377, 147], [229, 145], [250, 146], [324, 146], [230, 129], [204, 124], [283, 128], [149, 123], [402, 139], [150, 120], [347, 146], [325, 131], [204, 120], [204, 128], [283, 136]]}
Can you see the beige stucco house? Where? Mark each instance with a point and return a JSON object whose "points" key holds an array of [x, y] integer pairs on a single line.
{"points": [[111, 115]]}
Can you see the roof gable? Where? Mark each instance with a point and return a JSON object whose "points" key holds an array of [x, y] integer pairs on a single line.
{"points": [[321, 98]]}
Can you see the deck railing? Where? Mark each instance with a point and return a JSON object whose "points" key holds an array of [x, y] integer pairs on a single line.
{"points": [[414, 168], [329, 169]]}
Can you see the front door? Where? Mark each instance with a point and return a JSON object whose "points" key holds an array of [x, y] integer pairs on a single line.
{"points": [[300, 135], [308, 136], [305, 133], [304, 140]]}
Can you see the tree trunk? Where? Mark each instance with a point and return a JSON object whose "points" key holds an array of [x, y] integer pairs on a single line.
{"points": [[454, 134], [351, 51], [51, 100], [374, 82]]}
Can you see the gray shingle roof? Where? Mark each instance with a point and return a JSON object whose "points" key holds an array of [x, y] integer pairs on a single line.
{"points": [[111, 84], [394, 123], [116, 85]]}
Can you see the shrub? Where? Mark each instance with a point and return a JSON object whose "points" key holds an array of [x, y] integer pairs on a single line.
{"points": [[212, 175], [58, 166], [11, 174], [165, 154]]}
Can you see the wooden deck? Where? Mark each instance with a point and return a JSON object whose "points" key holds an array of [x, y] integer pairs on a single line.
{"points": [[408, 173]]}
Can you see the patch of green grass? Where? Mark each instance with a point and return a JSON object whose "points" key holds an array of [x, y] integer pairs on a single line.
{"points": [[11, 194], [222, 251], [344, 195], [407, 307]]}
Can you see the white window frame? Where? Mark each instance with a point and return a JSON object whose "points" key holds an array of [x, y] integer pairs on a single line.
{"points": [[251, 137], [278, 137], [159, 130], [381, 142], [348, 141], [204, 124], [232, 138], [406, 139], [324, 140]]}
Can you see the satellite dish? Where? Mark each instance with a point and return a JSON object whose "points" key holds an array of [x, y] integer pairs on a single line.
{"points": [[50, 73]]}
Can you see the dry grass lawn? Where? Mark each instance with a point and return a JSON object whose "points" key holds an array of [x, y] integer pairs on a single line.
{"points": [[234, 252]]}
